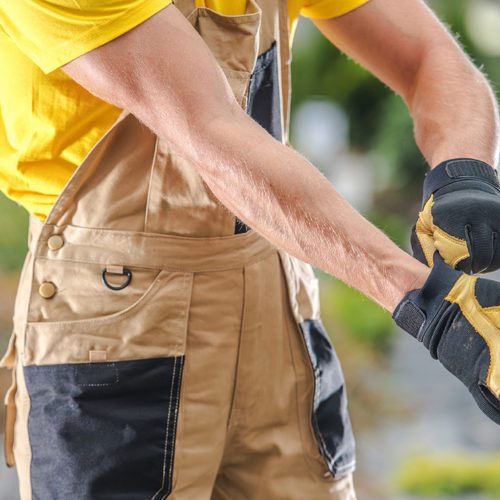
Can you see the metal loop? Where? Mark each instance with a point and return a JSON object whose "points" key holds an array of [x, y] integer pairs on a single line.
{"points": [[125, 272]]}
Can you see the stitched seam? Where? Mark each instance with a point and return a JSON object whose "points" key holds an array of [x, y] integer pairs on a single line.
{"points": [[174, 427], [112, 365], [165, 449], [298, 331], [96, 263], [317, 390], [447, 236], [107, 318], [471, 285], [342, 468], [148, 197]]}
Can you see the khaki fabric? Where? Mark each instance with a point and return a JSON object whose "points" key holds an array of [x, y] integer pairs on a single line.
{"points": [[221, 311]]}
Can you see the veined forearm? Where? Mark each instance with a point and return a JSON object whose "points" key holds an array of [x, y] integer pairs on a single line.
{"points": [[269, 186], [282, 196], [454, 110]]}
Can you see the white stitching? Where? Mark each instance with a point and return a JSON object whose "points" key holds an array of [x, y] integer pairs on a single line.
{"points": [[89, 365], [175, 421], [166, 432]]}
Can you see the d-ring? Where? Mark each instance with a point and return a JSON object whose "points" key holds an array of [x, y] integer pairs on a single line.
{"points": [[125, 272]]}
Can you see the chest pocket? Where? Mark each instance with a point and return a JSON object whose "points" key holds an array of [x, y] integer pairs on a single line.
{"points": [[234, 42]]}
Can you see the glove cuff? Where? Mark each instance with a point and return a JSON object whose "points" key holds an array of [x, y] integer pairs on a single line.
{"points": [[419, 306], [456, 170]]}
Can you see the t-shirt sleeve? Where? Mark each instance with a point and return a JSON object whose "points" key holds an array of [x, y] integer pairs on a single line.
{"points": [[326, 9], [54, 32]]}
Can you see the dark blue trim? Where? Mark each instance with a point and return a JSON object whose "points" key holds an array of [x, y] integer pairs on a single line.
{"points": [[264, 100], [330, 417]]}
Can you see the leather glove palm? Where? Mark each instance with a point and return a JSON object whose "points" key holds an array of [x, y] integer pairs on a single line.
{"points": [[457, 317], [460, 217]]}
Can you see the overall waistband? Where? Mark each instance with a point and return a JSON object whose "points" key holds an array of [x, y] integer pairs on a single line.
{"points": [[111, 247]]}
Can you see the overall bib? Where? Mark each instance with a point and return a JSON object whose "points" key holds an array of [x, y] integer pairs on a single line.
{"points": [[161, 348]]}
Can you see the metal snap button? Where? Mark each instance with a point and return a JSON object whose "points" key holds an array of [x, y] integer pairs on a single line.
{"points": [[47, 290], [55, 242]]}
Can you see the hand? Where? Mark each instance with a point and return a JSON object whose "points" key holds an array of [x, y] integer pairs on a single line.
{"points": [[457, 317], [460, 217]]}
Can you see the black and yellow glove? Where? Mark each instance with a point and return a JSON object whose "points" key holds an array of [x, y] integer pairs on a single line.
{"points": [[457, 317], [460, 217]]}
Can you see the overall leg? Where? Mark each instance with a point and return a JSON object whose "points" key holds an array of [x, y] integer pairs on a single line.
{"points": [[208, 385], [272, 452]]}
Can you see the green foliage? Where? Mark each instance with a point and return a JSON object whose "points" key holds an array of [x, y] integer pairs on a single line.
{"points": [[451, 475], [14, 228], [393, 225], [361, 319]]}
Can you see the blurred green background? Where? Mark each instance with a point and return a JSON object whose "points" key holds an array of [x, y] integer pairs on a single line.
{"points": [[419, 434]]}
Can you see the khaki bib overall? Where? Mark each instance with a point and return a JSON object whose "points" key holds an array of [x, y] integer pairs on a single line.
{"points": [[161, 348]]}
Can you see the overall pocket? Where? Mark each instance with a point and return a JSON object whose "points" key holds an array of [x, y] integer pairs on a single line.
{"points": [[104, 389], [233, 40], [103, 430], [80, 293], [149, 323], [330, 422]]}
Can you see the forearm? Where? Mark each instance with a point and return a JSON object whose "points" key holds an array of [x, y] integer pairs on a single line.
{"points": [[282, 196], [266, 184], [453, 107]]}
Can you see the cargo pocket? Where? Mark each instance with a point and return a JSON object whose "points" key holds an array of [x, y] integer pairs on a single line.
{"points": [[105, 396], [9, 362], [103, 430], [330, 421]]}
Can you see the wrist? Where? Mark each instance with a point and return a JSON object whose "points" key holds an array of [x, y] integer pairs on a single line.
{"points": [[409, 275]]}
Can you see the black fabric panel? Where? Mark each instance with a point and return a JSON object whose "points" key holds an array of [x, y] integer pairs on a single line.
{"points": [[100, 431], [463, 352], [330, 416], [487, 293], [264, 103], [240, 227]]}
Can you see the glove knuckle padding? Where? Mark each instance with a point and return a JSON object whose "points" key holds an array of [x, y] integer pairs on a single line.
{"points": [[470, 217], [460, 217], [458, 320], [459, 342]]}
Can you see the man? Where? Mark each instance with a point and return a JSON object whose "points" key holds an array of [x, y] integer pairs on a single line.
{"points": [[161, 347]]}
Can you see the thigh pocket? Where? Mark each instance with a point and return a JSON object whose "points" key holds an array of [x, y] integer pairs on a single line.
{"points": [[103, 430]]}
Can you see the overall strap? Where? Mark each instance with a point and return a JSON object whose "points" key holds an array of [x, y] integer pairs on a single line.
{"points": [[285, 64]]}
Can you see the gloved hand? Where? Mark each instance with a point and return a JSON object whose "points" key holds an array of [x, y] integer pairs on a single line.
{"points": [[460, 217], [457, 317]]}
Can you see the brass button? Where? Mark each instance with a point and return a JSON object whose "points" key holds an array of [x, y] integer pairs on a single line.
{"points": [[55, 242], [47, 290]]}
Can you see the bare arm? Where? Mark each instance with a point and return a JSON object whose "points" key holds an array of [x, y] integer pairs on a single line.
{"points": [[289, 201], [403, 43]]}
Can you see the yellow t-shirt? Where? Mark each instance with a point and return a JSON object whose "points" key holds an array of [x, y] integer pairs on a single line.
{"points": [[48, 123]]}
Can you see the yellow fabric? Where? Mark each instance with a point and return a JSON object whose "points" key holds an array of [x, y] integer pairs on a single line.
{"points": [[432, 238], [48, 123], [484, 321]]}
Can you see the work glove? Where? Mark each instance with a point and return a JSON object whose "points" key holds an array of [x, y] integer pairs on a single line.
{"points": [[457, 317], [460, 217]]}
